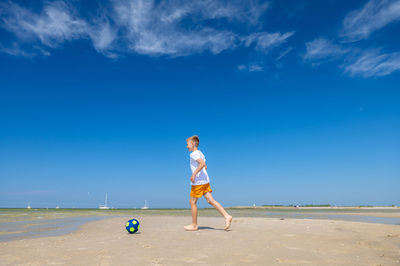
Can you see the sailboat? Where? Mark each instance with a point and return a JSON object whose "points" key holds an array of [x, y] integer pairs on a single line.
{"points": [[29, 206], [145, 207], [104, 207]]}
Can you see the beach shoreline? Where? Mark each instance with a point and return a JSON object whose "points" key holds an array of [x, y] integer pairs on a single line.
{"points": [[319, 207], [22, 223], [161, 240]]}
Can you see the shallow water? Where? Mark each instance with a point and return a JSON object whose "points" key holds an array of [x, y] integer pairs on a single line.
{"points": [[41, 228], [24, 223]]}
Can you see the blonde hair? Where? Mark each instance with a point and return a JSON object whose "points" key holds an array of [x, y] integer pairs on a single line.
{"points": [[194, 139]]}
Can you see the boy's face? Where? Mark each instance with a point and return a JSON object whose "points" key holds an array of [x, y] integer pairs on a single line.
{"points": [[190, 145]]}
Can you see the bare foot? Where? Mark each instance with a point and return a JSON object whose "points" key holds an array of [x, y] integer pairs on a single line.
{"points": [[190, 227], [228, 222]]}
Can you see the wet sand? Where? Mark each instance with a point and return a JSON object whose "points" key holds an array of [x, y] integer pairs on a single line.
{"points": [[161, 240]]}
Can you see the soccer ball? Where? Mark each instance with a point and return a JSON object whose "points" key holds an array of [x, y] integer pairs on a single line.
{"points": [[132, 226]]}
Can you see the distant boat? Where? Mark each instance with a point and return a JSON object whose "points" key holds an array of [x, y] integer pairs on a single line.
{"points": [[57, 207], [29, 206], [104, 207], [145, 207]]}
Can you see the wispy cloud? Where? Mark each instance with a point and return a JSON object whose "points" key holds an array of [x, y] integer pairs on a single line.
{"points": [[374, 64], [322, 48], [156, 29], [255, 68], [15, 50], [55, 25], [241, 67], [103, 37], [369, 63], [264, 41], [283, 53], [252, 67], [358, 25], [375, 15], [167, 28]]}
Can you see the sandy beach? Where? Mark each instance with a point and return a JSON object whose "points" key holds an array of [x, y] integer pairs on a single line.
{"points": [[161, 240]]}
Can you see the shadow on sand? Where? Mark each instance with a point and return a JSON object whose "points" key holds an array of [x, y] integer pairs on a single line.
{"points": [[209, 228]]}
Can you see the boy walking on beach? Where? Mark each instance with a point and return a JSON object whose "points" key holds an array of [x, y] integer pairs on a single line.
{"points": [[201, 184]]}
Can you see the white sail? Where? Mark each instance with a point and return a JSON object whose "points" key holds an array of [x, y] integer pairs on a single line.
{"points": [[145, 207], [104, 207]]}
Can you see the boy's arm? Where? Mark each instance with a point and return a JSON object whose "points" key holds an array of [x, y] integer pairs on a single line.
{"points": [[198, 169]]}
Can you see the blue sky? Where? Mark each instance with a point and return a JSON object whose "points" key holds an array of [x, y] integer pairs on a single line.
{"points": [[295, 102]]}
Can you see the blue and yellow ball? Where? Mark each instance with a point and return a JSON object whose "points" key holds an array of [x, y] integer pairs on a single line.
{"points": [[132, 226]]}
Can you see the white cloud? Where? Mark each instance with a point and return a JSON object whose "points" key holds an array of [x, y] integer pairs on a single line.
{"points": [[371, 63], [180, 44], [256, 68], [283, 53], [322, 48], [374, 64], [358, 25], [264, 41], [234, 10], [156, 30], [55, 25], [375, 15], [171, 28], [253, 67], [171, 11], [102, 36], [15, 50]]}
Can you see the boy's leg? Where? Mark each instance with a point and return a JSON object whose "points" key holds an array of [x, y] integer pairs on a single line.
{"points": [[216, 205], [193, 206]]}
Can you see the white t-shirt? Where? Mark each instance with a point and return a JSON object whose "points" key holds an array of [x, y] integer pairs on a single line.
{"points": [[202, 177]]}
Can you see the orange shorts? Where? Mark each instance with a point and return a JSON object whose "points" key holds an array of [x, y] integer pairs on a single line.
{"points": [[199, 190]]}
